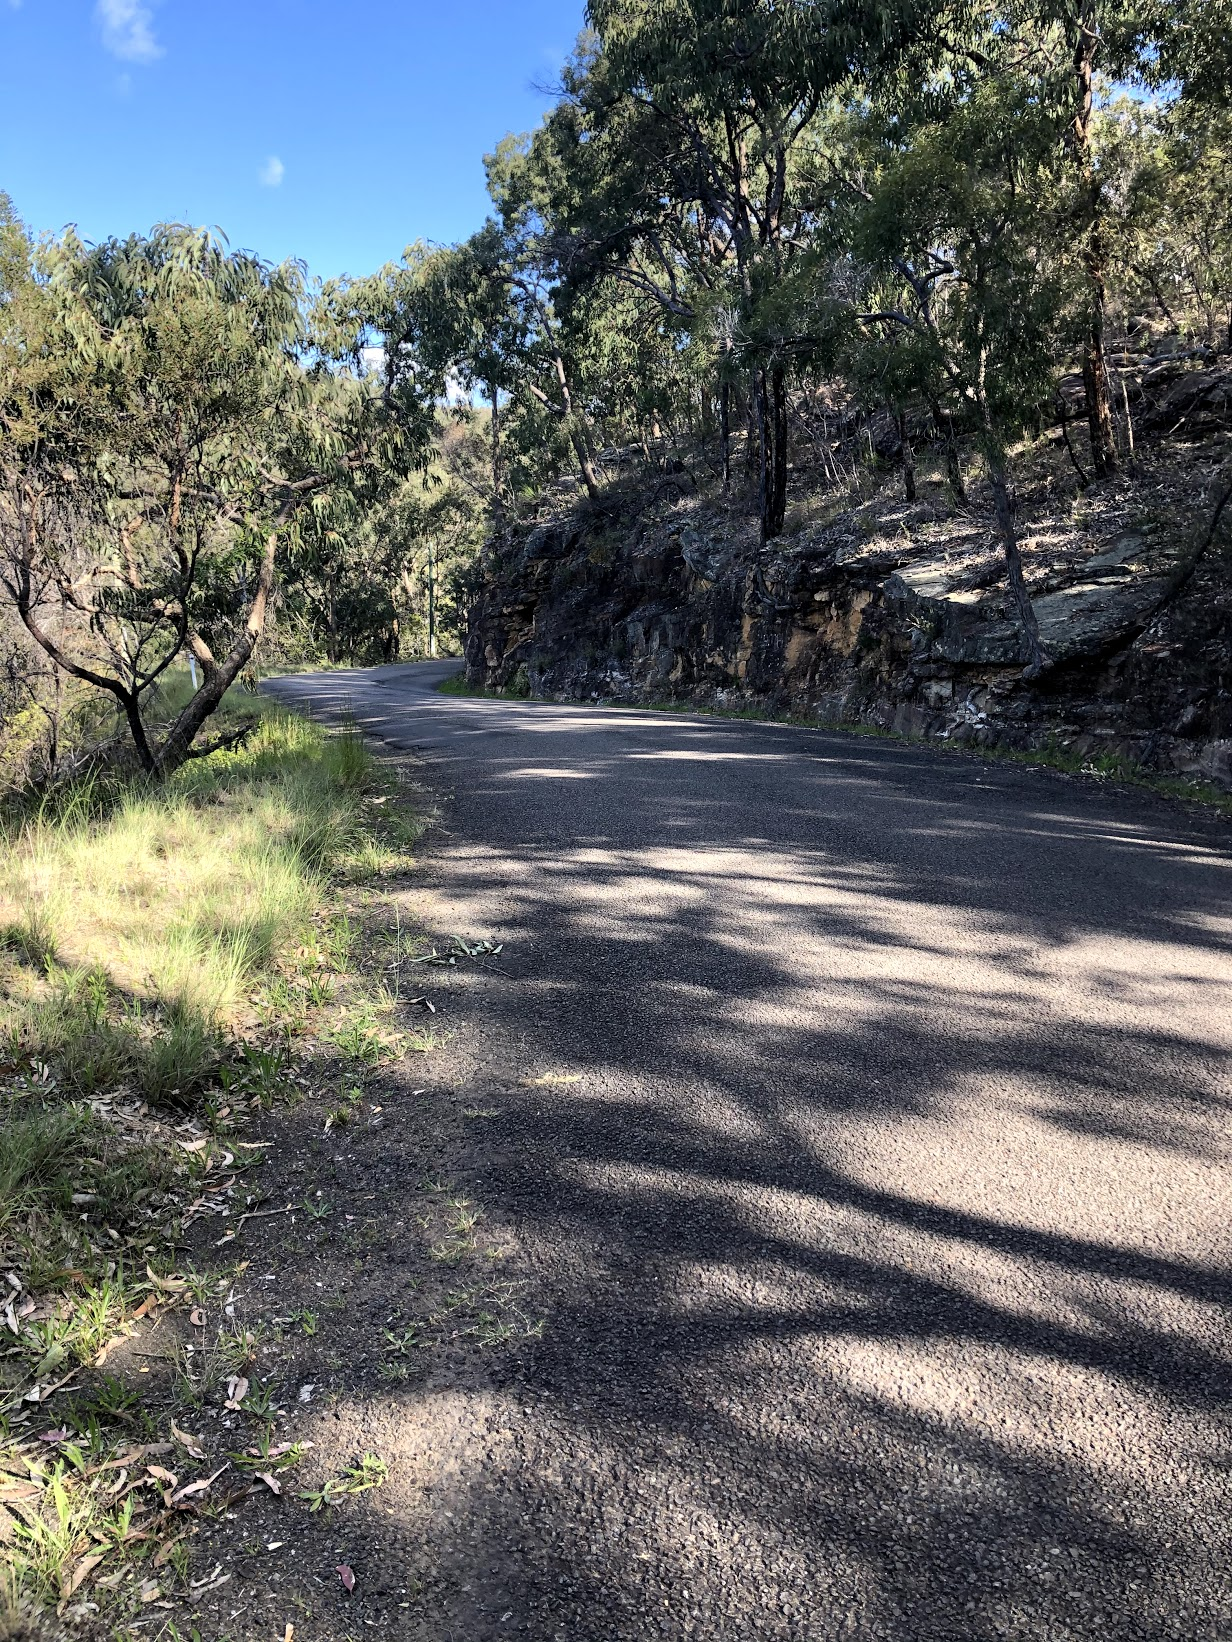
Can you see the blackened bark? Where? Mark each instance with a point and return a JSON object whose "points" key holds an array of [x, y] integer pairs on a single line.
{"points": [[1013, 560], [761, 413], [497, 506], [725, 434], [906, 457], [221, 675], [1099, 404], [586, 465], [1073, 454], [778, 466]]}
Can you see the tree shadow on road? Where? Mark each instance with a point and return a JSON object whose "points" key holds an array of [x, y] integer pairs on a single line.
{"points": [[879, 1238]]}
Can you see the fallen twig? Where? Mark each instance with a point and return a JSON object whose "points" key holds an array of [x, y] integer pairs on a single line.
{"points": [[252, 1214]]}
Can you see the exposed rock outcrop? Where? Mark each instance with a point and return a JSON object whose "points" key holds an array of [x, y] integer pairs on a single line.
{"points": [[885, 614]]}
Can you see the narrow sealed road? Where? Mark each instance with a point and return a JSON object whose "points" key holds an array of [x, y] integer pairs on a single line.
{"points": [[862, 1116]]}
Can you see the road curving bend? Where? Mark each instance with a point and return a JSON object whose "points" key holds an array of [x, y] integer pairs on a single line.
{"points": [[862, 1117]]}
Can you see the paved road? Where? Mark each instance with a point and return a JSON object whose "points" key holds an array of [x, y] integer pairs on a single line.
{"points": [[879, 1202]]}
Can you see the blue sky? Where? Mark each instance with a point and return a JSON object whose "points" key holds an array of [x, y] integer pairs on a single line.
{"points": [[301, 128]]}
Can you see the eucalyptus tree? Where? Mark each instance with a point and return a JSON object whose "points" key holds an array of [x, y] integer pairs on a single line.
{"points": [[168, 407], [669, 168], [15, 250], [1165, 167], [362, 581], [963, 290]]}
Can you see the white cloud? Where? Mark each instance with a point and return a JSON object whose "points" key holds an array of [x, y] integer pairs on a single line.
{"points": [[272, 172], [127, 30]]}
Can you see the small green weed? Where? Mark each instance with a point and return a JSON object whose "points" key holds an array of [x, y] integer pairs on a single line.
{"points": [[358, 1478]]}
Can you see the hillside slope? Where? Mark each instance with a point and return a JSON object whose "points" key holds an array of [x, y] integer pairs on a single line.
{"points": [[877, 611]]}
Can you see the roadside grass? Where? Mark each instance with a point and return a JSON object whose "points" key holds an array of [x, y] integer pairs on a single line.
{"points": [[1053, 755], [160, 950], [456, 685]]}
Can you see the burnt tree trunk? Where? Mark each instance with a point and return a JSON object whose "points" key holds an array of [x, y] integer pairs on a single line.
{"points": [[497, 507], [943, 421], [725, 434], [778, 466], [906, 456], [1013, 559], [761, 420]]}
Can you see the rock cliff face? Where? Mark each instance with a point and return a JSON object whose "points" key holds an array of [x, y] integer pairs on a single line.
{"points": [[891, 615]]}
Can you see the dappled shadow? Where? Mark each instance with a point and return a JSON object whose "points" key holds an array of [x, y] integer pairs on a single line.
{"points": [[881, 1233]]}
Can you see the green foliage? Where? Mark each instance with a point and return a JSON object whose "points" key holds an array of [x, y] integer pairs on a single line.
{"points": [[169, 409], [15, 251]]}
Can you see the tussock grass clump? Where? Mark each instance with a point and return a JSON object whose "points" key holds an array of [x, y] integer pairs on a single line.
{"points": [[179, 896], [135, 924]]}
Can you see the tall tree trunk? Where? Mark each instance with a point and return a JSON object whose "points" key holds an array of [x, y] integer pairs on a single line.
{"points": [[1083, 481], [220, 676], [586, 464], [761, 413], [778, 468], [573, 421], [331, 624], [498, 515], [725, 434], [432, 600], [943, 421], [1013, 559], [906, 456], [1095, 256]]}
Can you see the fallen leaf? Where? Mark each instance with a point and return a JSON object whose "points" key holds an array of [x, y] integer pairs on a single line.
{"points": [[54, 1436], [161, 1474], [41, 1393], [166, 1285], [52, 1358], [82, 1571], [305, 1393], [165, 1549], [347, 1577], [197, 1317], [270, 1481], [289, 1634], [191, 1489], [188, 1441], [237, 1390]]}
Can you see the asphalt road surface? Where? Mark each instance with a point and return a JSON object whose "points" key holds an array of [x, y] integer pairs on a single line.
{"points": [[875, 1187]]}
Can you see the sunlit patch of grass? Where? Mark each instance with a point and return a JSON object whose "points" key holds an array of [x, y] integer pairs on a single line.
{"points": [[139, 927], [184, 893], [139, 919]]}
